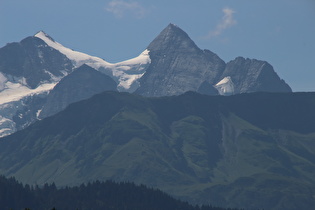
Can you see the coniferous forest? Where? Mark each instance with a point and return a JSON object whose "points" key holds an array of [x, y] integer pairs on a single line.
{"points": [[96, 195]]}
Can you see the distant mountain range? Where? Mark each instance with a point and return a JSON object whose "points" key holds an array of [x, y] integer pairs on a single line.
{"points": [[253, 151], [31, 70]]}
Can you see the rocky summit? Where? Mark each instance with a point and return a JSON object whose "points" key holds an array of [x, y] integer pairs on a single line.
{"points": [[251, 75], [83, 83], [178, 65], [33, 61]]}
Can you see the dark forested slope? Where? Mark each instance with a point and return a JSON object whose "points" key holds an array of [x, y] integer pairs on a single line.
{"points": [[251, 150], [96, 196]]}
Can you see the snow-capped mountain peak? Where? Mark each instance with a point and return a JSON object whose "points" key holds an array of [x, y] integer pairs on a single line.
{"points": [[43, 34], [126, 73], [76, 57]]}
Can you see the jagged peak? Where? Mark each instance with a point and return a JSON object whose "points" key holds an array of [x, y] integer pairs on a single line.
{"points": [[174, 36], [85, 67], [172, 25], [242, 59], [172, 30]]}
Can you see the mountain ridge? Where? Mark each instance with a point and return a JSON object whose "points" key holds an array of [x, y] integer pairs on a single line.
{"points": [[81, 84], [172, 64]]}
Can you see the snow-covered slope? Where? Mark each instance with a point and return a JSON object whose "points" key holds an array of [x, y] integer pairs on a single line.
{"points": [[125, 73], [17, 91], [225, 86], [20, 103], [17, 102], [77, 58], [130, 71]]}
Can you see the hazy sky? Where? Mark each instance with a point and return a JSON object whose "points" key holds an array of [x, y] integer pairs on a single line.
{"points": [[281, 32]]}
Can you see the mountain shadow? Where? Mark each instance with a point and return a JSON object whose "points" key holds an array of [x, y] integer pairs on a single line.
{"points": [[247, 151]]}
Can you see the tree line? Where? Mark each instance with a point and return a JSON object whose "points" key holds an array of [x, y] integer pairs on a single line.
{"points": [[96, 195]]}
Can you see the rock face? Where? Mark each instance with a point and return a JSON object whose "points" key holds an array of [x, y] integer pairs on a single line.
{"points": [[28, 70], [178, 65], [33, 60], [251, 75], [172, 64], [83, 83]]}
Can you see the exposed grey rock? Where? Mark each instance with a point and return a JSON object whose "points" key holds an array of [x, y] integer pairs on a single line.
{"points": [[29, 110], [251, 75], [178, 65], [34, 60], [19, 114], [83, 83]]}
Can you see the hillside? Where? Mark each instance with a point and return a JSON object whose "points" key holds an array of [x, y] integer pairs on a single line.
{"points": [[248, 151]]}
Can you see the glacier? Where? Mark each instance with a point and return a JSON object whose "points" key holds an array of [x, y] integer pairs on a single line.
{"points": [[15, 93], [125, 73]]}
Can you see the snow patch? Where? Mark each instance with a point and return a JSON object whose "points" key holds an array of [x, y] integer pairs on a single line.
{"points": [[38, 113], [225, 86], [16, 91], [3, 120], [5, 132], [7, 126]]}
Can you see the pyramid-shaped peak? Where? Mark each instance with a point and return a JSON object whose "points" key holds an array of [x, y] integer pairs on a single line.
{"points": [[42, 35], [173, 26], [85, 67], [172, 38]]}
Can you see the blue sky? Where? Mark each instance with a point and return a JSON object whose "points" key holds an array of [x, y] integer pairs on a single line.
{"points": [[281, 32]]}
